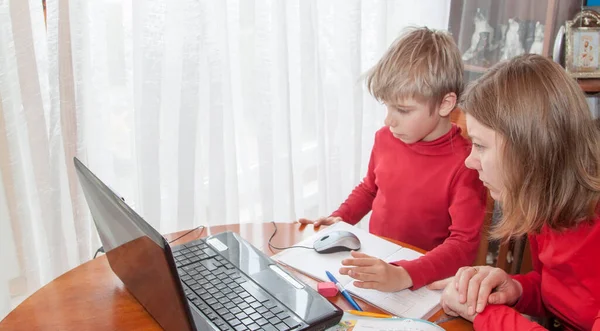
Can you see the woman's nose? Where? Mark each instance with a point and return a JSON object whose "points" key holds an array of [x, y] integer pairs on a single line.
{"points": [[472, 162]]}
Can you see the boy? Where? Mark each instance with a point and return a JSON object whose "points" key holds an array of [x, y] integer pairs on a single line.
{"points": [[417, 184]]}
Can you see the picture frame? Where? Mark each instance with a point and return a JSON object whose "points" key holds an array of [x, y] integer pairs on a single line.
{"points": [[582, 39]]}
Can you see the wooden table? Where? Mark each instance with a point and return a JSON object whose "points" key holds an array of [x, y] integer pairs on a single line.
{"points": [[91, 297]]}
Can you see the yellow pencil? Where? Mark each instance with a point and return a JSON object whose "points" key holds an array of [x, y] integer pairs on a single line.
{"points": [[368, 314]]}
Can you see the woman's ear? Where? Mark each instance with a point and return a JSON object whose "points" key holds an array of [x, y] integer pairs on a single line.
{"points": [[448, 104]]}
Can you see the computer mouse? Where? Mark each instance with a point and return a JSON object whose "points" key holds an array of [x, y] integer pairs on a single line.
{"points": [[337, 241]]}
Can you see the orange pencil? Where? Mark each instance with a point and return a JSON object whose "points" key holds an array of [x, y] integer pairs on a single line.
{"points": [[368, 314]]}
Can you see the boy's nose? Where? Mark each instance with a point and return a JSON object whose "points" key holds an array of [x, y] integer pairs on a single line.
{"points": [[389, 121]]}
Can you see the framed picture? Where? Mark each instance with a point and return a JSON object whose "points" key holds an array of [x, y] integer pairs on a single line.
{"points": [[583, 45]]}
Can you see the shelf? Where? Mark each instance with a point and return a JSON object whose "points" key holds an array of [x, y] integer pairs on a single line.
{"points": [[474, 68], [589, 85]]}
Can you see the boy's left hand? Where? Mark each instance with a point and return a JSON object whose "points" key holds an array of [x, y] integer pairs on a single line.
{"points": [[374, 273]]}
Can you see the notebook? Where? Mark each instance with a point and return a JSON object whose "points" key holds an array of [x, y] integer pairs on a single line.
{"points": [[421, 303], [351, 322], [395, 324]]}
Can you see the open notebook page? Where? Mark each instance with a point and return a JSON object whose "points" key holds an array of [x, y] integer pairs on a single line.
{"points": [[399, 324], [421, 303], [314, 264], [413, 304]]}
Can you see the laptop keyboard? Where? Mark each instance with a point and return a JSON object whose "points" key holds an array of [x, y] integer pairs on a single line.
{"points": [[230, 299]]}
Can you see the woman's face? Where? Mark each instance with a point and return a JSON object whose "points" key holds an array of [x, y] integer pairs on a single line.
{"points": [[485, 156]]}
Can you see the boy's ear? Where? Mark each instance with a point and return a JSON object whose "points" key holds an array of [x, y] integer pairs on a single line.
{"points": [[448, 104]]}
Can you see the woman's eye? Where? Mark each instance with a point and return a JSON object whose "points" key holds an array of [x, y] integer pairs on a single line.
{"points": [[478, 147]]}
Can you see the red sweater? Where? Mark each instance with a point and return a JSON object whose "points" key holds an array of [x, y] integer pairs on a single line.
{"points": [[565, 283], [422, 194]]}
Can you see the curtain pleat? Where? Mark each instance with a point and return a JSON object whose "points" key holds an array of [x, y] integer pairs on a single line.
{"points": [[194, 111]]}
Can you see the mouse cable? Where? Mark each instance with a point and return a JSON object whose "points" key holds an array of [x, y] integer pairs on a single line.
{"points": [[100, 250], [185, 234], [282, 248]]}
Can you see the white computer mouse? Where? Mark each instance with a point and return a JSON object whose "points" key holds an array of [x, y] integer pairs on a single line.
{"points": [[337, 241]]}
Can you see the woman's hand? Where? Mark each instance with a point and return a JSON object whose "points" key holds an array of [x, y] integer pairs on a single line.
{"points": [[374, 273], [450, 302], [478, 286], [321, 221]]}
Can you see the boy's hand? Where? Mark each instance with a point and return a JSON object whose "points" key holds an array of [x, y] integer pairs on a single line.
{"points": [[374, 273], [321, 221]]}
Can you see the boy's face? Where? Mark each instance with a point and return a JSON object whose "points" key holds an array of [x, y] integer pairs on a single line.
{"points": [[485, 156], [412, 121]]}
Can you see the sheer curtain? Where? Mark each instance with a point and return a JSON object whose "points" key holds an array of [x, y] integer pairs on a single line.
{"points": [[195, 111]]}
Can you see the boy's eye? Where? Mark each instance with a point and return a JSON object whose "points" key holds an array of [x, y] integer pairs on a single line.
{"points": [[400, 110], [478, 147]]}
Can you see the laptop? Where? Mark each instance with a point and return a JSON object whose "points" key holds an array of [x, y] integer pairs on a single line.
{"points": [[221, 282]]}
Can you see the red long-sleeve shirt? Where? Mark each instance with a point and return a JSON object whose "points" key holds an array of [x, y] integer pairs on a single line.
{"points": [[565, 283], [422, 194]]}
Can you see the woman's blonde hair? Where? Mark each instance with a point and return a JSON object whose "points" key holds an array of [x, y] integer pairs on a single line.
{"points": [[423, 64], [550, 158]]}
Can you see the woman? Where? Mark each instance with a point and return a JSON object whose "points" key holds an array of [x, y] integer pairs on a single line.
{"points": [[537, 149]]}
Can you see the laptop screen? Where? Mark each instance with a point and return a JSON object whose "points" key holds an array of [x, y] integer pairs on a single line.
{"points": [[137, 254]]}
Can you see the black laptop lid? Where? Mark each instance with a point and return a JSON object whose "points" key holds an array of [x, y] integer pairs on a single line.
{"points": [[137, 254]]}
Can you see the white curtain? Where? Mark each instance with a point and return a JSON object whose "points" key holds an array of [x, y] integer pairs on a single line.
{"points": [[195, 111]]}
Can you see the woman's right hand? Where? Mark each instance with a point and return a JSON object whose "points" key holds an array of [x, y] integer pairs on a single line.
{"points": [[321, 221], [482, 285], [478, 286]]}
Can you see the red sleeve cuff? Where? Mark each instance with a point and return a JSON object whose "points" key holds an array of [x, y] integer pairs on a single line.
{"points": [[414, 269], [481, 320], [485, 319], [500, 317]]}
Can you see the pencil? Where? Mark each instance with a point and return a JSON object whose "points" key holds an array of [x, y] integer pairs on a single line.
{"points": [[368, 314], [445, 319]]}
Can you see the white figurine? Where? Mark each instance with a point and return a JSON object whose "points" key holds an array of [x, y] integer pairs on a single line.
{"points": [[481, 25], [512, 45], [538, 41]]}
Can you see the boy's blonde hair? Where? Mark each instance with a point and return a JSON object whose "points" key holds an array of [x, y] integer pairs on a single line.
{"points": [[423, 64], [550, 157]]}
